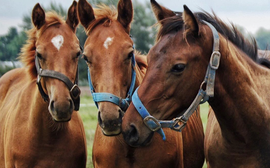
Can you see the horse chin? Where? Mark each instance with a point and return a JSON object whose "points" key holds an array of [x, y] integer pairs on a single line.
{"points": [[62, 120], [111, 133], [146, 142]]}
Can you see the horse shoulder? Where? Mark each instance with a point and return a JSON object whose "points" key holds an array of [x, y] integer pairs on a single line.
{"points": [[9, 79]]}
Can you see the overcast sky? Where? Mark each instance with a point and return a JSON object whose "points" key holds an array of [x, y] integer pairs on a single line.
{"points": [[250, 14]]}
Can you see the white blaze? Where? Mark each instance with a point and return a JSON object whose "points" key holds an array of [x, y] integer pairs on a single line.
{"points": [[108, 42], [58, 41]]}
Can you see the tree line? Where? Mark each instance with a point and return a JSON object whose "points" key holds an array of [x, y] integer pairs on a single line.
{"points": [[143, 34]]}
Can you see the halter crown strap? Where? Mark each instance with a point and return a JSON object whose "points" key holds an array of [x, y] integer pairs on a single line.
{"points": [[179, 123], [73, 88], [108, 97]]}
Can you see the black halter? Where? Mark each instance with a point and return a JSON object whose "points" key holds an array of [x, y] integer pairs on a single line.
{"points": [[73, 88]]}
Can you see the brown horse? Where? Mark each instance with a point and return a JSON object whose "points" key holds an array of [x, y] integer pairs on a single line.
{"points": [[110, 69], [34, 132], [237, 132]]}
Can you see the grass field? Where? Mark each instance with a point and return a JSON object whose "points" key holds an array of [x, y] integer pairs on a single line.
{"points": [[88, 112]]}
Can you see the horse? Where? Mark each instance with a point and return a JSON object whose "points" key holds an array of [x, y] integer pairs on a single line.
{"points": [[39, 126], [109, 54], [199, 58]]}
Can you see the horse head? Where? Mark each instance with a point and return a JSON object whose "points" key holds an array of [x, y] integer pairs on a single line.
{"points": [[56, 60], [176, 69], [109, 54]]}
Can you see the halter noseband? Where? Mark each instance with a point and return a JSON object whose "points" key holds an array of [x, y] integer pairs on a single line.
{"points": [[73, 88], [108, 97], [179, 123]]}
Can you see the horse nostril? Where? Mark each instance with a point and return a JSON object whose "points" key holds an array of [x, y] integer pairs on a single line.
{"points": [[71, 104], [100, 120], [52, 106], [132, 135]]}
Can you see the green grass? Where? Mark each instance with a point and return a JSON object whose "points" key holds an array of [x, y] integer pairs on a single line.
{"points": [[88, 112]]}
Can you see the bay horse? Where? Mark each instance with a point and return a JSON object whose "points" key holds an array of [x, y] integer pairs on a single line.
{"points": [[198, 56], [109, 54], [36, 129]]}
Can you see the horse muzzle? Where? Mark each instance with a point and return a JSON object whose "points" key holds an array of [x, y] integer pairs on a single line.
{"points": [[61, 111], [110, 126]]}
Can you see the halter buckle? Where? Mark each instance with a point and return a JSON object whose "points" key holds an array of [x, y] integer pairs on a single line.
{"points": [[156, 123], [75, 91], [215, 60], [179, 124]]}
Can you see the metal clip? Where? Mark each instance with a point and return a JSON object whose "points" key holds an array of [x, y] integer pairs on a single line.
{"points": [[75, 91], [151, 118], [214, 60], [179, 124]]}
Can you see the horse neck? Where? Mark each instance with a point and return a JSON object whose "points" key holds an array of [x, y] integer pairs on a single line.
{"points": [[241, 101]]}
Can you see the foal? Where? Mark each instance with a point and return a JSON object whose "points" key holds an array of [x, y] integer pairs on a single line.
{"points": [[38, 124]]}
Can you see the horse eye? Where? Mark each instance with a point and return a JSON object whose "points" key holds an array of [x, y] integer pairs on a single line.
{"points": [[78, 54], [130, 55], [39, 55], [178, 68]]}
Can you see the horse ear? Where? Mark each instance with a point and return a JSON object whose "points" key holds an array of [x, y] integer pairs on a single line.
{"points": [[72, 19], [160, 11], [86, 13], [38, 16], [190, 22], [125, 13]]}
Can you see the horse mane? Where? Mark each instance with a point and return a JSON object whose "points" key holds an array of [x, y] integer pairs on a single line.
{"points": [[103, 15], [176, 23], [27, 54]]}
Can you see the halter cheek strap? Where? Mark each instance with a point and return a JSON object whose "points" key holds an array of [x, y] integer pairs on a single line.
{"points": [[73, 88], [179, 123], [108, 97]]}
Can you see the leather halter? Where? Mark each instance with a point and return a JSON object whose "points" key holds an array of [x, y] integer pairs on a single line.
{"points": [[108, 97], [73, 88], [179, 123]]}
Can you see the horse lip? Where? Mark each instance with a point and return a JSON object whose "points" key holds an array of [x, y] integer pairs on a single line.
{"points": [[59, 121], [113, 133]]}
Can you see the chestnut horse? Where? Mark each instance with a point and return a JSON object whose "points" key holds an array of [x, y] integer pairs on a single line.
{"points": [[199, 52], [34, 132], [109, 55]]}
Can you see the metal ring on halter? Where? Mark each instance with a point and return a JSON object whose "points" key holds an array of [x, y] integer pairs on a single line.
{"points": [[157, 125], [75, 91], [178, 127]]}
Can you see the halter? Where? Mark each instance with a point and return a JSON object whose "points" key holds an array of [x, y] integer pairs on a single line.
{"points": [[73, 88], [108, 97], [202, 96]]}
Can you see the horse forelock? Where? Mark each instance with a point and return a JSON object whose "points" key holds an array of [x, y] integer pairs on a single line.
{"points": [[103, 15], [231, 32], [27, 55]]}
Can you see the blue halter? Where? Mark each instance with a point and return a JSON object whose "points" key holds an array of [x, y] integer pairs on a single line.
{"points": [[108, 97], [179, 123]]}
